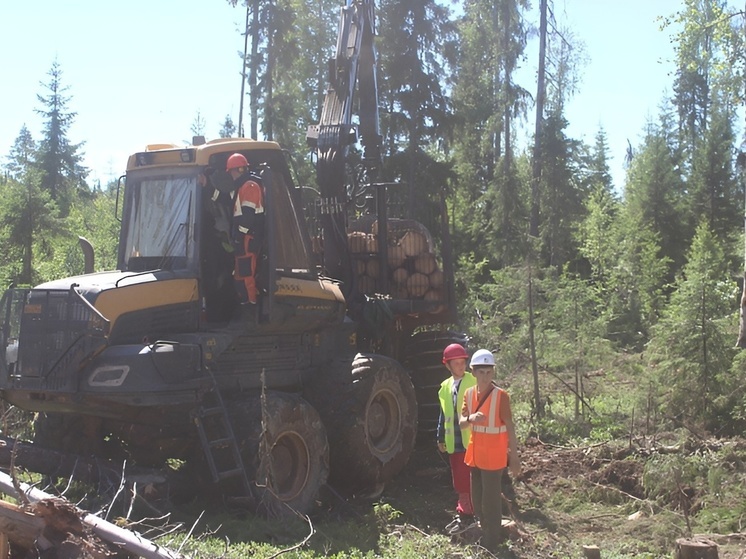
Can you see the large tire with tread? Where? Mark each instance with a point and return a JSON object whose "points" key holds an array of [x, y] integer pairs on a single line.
{"points": [[424, 359], [375, 426], [284, 450]]}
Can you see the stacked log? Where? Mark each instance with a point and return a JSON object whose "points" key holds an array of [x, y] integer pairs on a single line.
{"points": [[413, 270]]}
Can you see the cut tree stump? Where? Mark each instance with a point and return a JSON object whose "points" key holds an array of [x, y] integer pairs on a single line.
{"points": [[591, 552], [695, 548]]}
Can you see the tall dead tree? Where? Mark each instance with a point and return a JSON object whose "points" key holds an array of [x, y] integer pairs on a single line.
{"points": [[535, 185]]}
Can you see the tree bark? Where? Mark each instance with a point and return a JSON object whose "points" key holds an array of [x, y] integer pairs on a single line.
{"points": [[695, 548], [63, 526], [591, 552], [540, 94], [54, 463]]}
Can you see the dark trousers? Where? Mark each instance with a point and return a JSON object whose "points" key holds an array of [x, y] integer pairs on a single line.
{"points": [[486, 495]]}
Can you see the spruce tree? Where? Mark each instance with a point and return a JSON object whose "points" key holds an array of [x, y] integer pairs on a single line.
{"points": [[714, 191], [655, 192], [58, 160], [691, 345], [412, 43], [487, 103], [29, 224], [562, 196], [227, 129], [22, 154]]}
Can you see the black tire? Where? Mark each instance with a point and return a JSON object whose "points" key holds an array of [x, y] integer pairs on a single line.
{"points": [[62, 432], [284, 450], [423, 358], [375, 426]]}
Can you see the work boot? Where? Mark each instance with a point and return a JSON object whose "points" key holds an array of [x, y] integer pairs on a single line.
{"points": [[461, 524]]}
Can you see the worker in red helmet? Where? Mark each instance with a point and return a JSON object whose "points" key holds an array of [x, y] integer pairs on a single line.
{"points": [[248, 226], [451, 438]]}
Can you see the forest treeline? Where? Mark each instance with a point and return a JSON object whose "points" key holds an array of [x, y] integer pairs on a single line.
{"points": [[562, 272]]}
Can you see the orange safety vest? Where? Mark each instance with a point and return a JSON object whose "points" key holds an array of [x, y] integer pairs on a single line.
{"points": [[488, 446], [249, 195]]}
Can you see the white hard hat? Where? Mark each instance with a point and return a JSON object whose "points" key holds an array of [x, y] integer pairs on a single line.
{"points": [[482, 357]]}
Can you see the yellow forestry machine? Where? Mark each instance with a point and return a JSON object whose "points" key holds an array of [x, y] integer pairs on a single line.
{"points": [[317, 383]]}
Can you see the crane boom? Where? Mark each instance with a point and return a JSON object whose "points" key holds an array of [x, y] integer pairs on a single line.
{"points": [[353, 69]]}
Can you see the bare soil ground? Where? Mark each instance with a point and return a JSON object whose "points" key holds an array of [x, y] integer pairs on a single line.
{"points": [[564, 498]]}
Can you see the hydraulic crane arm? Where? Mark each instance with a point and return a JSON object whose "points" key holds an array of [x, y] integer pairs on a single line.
{"points": [[353, 69]]}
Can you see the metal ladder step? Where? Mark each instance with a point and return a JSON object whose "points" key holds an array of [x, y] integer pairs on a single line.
{"points": [[218, 440]]}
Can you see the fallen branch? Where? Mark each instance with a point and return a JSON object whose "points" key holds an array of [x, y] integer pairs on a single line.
{"points": [[623, 493], [119, 537], [299, 544]]}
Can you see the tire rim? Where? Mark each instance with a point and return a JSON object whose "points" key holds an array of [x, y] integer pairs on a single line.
{"points": [[291, 465], [383, 421]]}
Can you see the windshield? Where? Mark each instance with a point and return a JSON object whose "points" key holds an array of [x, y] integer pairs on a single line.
{"points": [[160, 223], [290, 252]]}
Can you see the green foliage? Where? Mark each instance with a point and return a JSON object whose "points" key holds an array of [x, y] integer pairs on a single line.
{"points": [[705, 484], [59, 161], [29, 227], [634, 289], [714, 191], [562, 196], [691, 347], [665, 476], [729, 405], [654, 194]]}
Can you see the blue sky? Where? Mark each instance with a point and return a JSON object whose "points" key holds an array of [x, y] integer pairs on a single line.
{"points": [[138, 72]]}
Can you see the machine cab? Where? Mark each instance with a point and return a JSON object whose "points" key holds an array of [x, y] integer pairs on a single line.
{"points": [[177, 218]]}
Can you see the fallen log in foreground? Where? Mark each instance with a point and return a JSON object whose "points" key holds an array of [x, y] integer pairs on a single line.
{"points": [[52, 522], [55, 463]]}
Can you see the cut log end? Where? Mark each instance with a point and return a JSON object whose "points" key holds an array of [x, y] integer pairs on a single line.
{"points": [[591, 552], [695, 548]]}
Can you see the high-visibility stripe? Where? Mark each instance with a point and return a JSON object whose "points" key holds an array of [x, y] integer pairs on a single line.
{"points": [[451, 412], [489, 430], [488, 447], [250, 195]]}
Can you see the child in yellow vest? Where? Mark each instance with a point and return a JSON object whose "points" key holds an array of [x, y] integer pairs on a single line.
{"points": [[451, 438]]}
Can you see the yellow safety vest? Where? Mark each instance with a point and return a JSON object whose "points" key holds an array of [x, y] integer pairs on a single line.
{"points": [[445, 395]]}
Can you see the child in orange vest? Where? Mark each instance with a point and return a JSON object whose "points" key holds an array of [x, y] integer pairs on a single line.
{"points": [[492, 445]]}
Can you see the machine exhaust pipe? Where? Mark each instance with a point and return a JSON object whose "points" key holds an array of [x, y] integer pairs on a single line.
{"points": [[87, 249]]}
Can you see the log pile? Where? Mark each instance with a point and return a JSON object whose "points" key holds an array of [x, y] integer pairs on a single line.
{"points": [[55, 528], [413, 270], [51, 526]]}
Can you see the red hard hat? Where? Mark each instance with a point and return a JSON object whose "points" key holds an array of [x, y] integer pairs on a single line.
{"points": [[235, 161], [454, 351]]}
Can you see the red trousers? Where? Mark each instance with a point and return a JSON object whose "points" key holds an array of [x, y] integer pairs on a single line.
{"points": [[461, 475]]}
